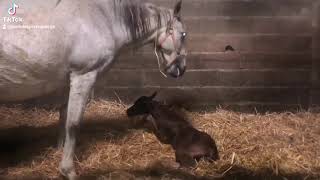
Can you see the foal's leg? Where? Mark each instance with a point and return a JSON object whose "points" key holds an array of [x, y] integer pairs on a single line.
{"points": [[185, 160], [80, 88]]}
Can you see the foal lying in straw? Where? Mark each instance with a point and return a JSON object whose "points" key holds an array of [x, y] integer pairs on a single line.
{"points": [[190, 145]]}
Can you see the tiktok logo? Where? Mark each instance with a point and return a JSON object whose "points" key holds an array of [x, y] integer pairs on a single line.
{"points": [[13, 10]]}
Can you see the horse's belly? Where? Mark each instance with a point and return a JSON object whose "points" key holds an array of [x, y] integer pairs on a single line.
{"points": [[21, 82], [21, 92]]}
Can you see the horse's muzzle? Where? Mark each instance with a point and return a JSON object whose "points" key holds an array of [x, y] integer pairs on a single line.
{"points": [[178, 67]]}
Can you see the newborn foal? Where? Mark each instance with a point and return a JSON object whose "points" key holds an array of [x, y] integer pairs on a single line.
{"points": [[189, 143]]}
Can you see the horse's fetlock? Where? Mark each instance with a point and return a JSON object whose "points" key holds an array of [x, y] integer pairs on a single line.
{"points": [[73, 125]]}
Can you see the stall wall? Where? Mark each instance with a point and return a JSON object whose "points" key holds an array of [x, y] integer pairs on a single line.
{"points": [[273, 66]]}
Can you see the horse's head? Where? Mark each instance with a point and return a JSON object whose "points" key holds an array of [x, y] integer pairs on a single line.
{"points": [[170, 44], [141, 106]]}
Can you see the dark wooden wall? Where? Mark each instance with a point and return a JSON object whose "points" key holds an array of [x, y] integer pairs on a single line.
{"points": [[315, 92], [277, 44]]}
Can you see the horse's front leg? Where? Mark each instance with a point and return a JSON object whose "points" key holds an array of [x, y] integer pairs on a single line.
{"points": [[62, 120], [62, 124], [80, 88]]}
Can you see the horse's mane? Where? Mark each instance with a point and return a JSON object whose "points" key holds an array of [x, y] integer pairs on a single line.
{"points": [[137, 16]]}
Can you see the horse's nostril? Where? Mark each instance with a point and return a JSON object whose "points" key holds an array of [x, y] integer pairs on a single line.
{"points": [[182, 70]]}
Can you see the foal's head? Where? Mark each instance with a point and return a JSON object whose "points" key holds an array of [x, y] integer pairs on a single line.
{"points": [[141, 106]]}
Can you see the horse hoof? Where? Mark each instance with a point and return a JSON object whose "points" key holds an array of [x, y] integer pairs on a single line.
{"points": [[68, 172], [69, 175], [72, 176]]}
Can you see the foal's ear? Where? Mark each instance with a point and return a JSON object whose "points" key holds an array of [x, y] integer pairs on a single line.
{"points": [[153, 95], [177, 9]]}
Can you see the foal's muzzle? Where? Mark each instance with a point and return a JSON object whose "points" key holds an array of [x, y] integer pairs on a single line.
{"points": [[178, 67], [133, 111]]}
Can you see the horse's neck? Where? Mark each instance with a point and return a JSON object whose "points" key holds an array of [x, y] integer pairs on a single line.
{"points": [[154, 21], [159, 20]]}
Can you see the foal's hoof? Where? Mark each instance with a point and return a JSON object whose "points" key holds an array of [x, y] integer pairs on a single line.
{"points": [[187, 163], [175, 165]]}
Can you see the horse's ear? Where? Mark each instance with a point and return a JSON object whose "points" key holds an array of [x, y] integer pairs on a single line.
{"points": [[177, 9], [153, 95]]}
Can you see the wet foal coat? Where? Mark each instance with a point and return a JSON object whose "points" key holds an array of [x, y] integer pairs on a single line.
{"points": [[189, 143]]}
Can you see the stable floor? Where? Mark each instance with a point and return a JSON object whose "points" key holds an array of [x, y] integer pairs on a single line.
{"points": [[110, 146]]}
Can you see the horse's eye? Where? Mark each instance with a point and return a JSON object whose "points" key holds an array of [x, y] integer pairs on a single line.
{"points": [[184, 34], [166, 51]]}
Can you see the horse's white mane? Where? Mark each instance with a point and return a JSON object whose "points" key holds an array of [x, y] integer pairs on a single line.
{"points": [[138, 16]]}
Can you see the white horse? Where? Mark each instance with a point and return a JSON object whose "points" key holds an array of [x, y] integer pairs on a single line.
{"points": [[85, 38]]}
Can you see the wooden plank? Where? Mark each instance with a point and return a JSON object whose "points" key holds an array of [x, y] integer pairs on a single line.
{"points": [[124, 78], [239, 78], [215, 25], [246, 107], [315, 95], [246, 42], [241, 7], [209, 95], [222, 61]]}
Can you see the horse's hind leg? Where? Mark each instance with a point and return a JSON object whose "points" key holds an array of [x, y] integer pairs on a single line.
{"points": [[80, 88]]}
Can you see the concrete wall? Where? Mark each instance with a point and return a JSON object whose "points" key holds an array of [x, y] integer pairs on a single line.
{"points": [[275, 70]]}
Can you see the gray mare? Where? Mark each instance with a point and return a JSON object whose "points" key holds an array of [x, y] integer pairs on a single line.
{"points": [[88, 35]]}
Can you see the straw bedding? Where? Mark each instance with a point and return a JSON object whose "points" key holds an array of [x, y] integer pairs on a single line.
{"points": [[251, 146]]}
